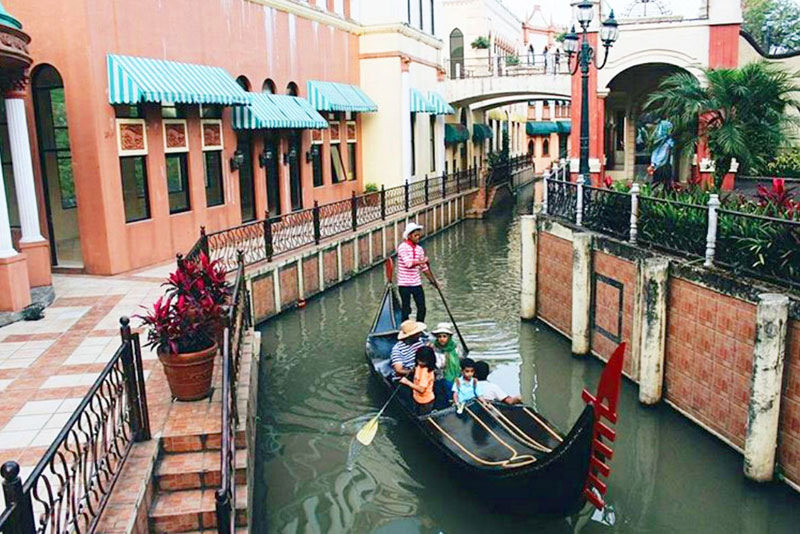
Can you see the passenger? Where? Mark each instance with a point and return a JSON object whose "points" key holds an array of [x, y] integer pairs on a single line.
{"points": [[465, 387], [405, 350], [488, 390], [448, 357], [423, 380]]}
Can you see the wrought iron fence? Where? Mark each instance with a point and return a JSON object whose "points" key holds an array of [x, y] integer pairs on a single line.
{"points": [[761, 246], [607, 211], [272, 236], [238, 321], [68, 489], [562, 199]]}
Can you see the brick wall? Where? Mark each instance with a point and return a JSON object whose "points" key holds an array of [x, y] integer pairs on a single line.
{"points": [[363, 252], [310, 275], [615, 289], [709, 357], [331, 266], [289, 287], [348, 260], [377, 246], [263, 296], [789, 432], [554, 281]]}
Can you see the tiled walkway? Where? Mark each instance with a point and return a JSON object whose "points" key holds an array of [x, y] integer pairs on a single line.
{"points": [[47, 366]]}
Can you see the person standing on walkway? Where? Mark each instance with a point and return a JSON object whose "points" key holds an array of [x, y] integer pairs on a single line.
{"points": [[411, 263]]}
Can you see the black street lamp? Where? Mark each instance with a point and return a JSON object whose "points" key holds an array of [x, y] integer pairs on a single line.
{"points": [[609, 32]]}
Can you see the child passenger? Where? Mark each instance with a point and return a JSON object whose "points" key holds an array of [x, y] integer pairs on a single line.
{"points": [[465, 387], [422, 385]]}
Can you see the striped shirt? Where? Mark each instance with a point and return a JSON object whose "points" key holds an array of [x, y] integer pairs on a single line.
{"points": [[407, 253], [404, 354]]}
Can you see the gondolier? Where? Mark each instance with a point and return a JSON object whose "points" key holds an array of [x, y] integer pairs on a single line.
{"points": [[411, 262]]}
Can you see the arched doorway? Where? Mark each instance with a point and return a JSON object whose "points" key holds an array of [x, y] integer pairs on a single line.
{"points": [[58, 181], [464, 154], [456, 53], [530, 148], [244, 147], [629, 128]]}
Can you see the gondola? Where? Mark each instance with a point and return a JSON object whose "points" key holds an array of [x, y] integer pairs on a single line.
{"points": [[511, 454]]}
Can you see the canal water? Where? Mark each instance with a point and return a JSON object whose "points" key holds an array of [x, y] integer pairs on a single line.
{"points": [[668, 475]]}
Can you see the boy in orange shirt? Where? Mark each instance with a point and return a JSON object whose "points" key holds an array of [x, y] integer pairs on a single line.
{"points": [[422, 385]]}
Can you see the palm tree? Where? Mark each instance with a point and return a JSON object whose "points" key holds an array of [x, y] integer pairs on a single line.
{"points": [[742, 113]]}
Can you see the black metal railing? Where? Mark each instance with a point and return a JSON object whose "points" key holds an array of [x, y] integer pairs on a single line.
{"points": [[673, 226], [68, 489], [272, 236], [502, 173], [607, 211], [761, 246], [562, 196], [233, 336]]}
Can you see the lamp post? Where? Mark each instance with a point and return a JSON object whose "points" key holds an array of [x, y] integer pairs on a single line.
{"points": [[585, 56]]}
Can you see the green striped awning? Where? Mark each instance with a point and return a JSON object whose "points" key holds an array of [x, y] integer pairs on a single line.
{"points": [[332, 96], [420, 104], [547, 127], [137, 79], [455, 133], [268, 111], [481, 132], [440, 104]]}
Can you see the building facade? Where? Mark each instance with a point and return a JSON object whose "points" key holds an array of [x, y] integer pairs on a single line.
{"points": [[118, 169]]}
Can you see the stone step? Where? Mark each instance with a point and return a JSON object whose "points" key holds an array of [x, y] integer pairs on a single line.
{"points": [[192, 510], [195, 470], [199, 442]]}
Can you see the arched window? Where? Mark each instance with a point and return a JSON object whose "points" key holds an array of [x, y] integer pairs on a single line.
{"points": [[456, 53], [56, 161], [268, 87], [546, 148], [463, 119], [530, 147], [243, 82], [291, 89]]}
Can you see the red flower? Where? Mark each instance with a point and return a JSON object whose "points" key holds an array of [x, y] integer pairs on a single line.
{"points": [[608, 181]]}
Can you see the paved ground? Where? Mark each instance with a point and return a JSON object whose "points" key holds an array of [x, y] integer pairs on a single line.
{"points": [[46, 366]]}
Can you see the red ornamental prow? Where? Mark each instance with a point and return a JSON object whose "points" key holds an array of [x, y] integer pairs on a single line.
{"points": [[389, 266], [605, 407]]}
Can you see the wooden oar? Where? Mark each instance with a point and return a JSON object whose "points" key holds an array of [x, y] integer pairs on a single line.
{"points": [[368, 431], [446, 307]]}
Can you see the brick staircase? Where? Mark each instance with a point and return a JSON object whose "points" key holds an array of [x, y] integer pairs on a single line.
{"points": [[186, 478]]}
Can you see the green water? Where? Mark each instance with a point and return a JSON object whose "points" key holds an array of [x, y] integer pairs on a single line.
{"points": [[668, 475]]}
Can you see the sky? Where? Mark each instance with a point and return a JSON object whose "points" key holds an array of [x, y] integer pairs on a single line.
{"points": [[562, 11]]}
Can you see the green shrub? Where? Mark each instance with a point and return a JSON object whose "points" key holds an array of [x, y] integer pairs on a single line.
{"points": [[512, 61], [480, 43], [371, 188], [786, 165]]}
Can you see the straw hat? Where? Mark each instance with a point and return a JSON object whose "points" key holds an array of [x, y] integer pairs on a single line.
{"points": [[442, 328], [411, 227], [410, 328]]}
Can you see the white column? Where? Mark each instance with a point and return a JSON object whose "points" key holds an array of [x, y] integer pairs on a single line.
{"points": [[527, 228], [653, 330], [405, 123], [6, 248], [581, 293], [23, 170]]}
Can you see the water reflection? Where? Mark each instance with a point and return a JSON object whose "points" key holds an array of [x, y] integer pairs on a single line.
{"points": [[667, 474]]}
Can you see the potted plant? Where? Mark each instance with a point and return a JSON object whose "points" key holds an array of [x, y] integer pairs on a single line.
{"points": [[480, 43], [185, 326]]}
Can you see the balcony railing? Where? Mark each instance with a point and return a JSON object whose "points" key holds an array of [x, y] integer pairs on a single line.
{"points": [[68, 489], [506, 65], [265, 239]]}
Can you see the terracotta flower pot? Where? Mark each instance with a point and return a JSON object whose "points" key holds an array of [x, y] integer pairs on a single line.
{"points": [[189, 374]]}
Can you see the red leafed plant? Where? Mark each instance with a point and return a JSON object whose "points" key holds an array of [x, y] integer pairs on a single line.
{"points": [[190, 315], [778, 200]]}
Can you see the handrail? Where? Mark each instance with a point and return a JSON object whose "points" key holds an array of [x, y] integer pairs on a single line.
{"points": [[74, 478], [237, 320], [272, 236]]}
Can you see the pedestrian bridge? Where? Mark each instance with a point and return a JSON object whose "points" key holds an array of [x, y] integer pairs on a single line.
{"points": [[493, 91]]}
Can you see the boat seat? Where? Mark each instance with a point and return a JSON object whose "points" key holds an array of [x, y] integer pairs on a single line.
{"points": [[384, 367]]}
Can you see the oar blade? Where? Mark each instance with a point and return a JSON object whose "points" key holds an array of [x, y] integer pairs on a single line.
{"points": [[368, 431]]}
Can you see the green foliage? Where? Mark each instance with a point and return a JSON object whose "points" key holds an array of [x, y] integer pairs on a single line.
{"points": [[785, 165], [774, 24], [512, 60], [370, 188], [561, 36], [480, 43], [741, 111]]}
